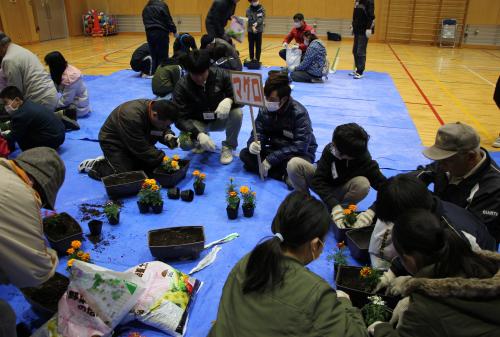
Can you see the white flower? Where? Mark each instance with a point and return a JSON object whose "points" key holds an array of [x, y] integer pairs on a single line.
{"points": [[377, 300]]}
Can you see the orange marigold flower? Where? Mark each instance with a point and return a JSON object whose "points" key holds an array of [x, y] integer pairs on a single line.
{"points": [[203, 176], [244, 189], [176, 157], [365, 272], [232, 194], [347, 211], [86, 257], [79, 254], [76, 244], [70, 262], [340, 245], [165, 159], [154, 188], [175, 164], [353, 207], [70, 251], [196, 173]]}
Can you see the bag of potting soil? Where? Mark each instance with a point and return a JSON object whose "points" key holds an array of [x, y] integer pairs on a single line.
{"points": [[168, 296], [236, 28]]}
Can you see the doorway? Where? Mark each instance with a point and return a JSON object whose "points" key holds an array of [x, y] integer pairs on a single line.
{"points": [[50, 17]]}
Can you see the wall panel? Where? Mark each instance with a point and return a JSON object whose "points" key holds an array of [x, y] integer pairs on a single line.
{"points": [[18, 21]]}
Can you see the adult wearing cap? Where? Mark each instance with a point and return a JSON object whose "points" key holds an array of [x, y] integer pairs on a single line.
{"points": [[23, 70], [464, 174], [29, 182]]}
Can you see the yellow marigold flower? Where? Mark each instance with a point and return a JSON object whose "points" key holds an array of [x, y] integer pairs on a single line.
{"points": [[70, 262], [254, 193], [175, 163], [353, 208], [232, 194], [76, 244], [196, 173], [347, 211], [365, 272], [70, 251], [176, 157], [79, 254], [244, 189], [86, 257], [165, 159], [203, 176], [155, 188]]}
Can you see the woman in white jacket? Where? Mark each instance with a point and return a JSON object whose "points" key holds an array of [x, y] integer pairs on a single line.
{"points": [[69, 83]]}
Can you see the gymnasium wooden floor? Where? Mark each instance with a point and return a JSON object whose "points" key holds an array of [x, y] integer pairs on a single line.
{"points": [[437, 84]]}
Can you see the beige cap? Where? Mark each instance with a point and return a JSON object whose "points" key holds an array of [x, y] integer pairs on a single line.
{"points": [[451, 139]]}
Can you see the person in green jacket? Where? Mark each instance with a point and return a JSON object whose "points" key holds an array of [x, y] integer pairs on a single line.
{"points": [[165, 79], [454, 292], [270, 292]]}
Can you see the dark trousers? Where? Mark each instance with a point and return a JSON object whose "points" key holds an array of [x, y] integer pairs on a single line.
{"points": [[302, 76], [359, 52], [7, 320], [158, 42], [283, 54], [255, 42], [277, 172]]}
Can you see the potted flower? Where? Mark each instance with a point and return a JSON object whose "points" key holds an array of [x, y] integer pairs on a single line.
{"points": [[186, 141], [199, 182], [112, 211], [249, 199], [339, 256], [375, 310], [233, 201], [150, 196], [370, 277], [171, 171], [349, 218], [75, 253]]}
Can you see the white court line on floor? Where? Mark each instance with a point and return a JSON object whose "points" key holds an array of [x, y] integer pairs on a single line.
{"points": [[478, 75]]}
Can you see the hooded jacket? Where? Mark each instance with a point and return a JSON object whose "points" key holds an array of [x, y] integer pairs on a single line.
{"points": [[363, 16], [73, 91], [286, 134], [218, 15], [314, 59], [156, 15], [449, 307], [256, 14], [298, 35], [324, 182], [479, 193]]}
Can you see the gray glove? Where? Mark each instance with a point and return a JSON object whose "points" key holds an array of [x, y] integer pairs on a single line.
{"points": [[399, 311], [364, 219]]}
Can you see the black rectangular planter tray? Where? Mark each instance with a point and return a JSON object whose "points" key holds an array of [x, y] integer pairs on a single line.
{"points": [[46, 310], [124, 184], [340, 233], [61, 245], [189, 246], [358, 241], [359, 297], [169, 180]]}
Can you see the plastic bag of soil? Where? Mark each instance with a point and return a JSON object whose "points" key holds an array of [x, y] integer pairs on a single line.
{"points": [[166, 301], [236, 28], [293, 56]]}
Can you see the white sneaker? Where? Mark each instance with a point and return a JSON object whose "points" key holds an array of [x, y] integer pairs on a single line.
{"points": [[86, 165], [357, 76], [496, 143], [226, 155], [352, 73], [146, 76]]}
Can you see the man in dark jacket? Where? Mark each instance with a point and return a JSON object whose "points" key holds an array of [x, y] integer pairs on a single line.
{"points": [[128, 136], [464, 173], [362, 27], [219, 14], [284, 132], [297, 33], [158, 24], [142, 61], [205, 100], [343, 174], [32, 125], [222, 54]]}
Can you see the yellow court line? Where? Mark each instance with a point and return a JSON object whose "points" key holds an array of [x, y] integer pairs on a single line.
{"points": [[454, 98]]}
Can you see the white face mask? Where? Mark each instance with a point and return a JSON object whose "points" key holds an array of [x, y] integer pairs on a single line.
{"points": [[297, 24], [255, 4], [272, 106], [9, 109]]}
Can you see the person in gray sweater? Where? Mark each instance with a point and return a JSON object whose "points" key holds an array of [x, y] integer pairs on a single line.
{"points": [[255, 14]]}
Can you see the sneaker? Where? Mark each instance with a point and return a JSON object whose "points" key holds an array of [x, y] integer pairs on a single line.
{"points": [[352, 73], [357, 76], [317, 80], [496, 143], [226, 155], [146, 76], [86, 165]]}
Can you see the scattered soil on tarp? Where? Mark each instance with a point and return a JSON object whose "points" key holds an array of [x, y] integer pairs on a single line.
{"points": [[175, 237], [101, 242], [60, 226], [48, 294], [91, 211]]}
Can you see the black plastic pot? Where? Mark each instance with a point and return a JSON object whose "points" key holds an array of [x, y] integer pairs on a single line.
{"points": [[95, 227], [169, 180], [114, 220], [157, 209], [187, 195], [248, 211], [173, 193], [124, 184], [143, 208], [46, 306], [232, 213], [199, 189], [358, 241], [177, 242], [71, 231]]}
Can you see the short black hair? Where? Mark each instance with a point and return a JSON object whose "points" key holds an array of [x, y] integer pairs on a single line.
{"points": [[298, 17], [206, 40], [351, 139], [278, 82], [11, 93], [196, 61], [167, 110], [400, 193]]}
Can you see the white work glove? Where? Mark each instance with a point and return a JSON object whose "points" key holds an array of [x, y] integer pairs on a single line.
{"points": [[368, 33], [399, 311], [168, 141], [341, 294], [364, 219], [206, 142], [371, 328], [338, 216], [384, 281], [255, 148], [397, 285], [223, 108], [265, 168], [285, 45]]}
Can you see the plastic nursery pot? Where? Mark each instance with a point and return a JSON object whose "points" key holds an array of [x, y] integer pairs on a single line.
{"points": [[60, 230], [44, 299], [143, 208], [187, 195], [95, 227], [232, 213], [248, 211], [199, 189], [114, 220], [174, 193], [157, 209], [358, 241]]}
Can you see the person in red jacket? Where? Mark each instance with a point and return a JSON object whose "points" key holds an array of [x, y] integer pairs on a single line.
{"points": [[297, 33]]}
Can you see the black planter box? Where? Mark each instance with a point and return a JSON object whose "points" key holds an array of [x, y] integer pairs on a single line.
{"points": [[358, 241], [189, 247], [169, 180], [46, 310], [339, 233], [61, 245], [124, 184]]}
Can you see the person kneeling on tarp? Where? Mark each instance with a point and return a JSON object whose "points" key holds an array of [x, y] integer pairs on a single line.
{"points": [[128, 136], [284, 132], [312, 67]]}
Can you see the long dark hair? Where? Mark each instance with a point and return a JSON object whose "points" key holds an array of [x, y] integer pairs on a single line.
{"points": [[300, 219], [418, 232], [57, 65]]}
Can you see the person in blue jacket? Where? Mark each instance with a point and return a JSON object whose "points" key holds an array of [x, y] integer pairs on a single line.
{"points": [[312, 65], [284, 131]]}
